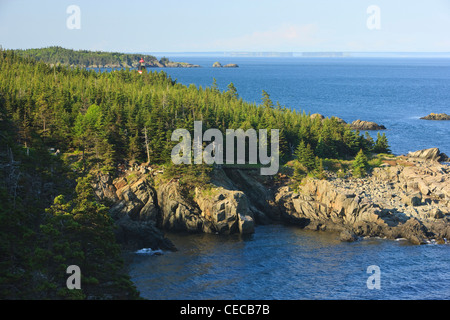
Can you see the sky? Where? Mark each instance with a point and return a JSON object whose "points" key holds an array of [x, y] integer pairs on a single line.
{"points": [[228, 26]]}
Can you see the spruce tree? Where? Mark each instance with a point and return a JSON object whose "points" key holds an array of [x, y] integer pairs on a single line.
{"points": [[321, 149], [267, 103], [310, 159], [300, 151], [360, 165], [232, 91], [381, 145]]}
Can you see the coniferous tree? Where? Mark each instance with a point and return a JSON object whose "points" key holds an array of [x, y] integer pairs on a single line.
{"points": [[381, 145], [300, 151], [305, 156], [232, 91], [360, 165], [58, 115], [267, 103], [321, 149], [319, 170]]}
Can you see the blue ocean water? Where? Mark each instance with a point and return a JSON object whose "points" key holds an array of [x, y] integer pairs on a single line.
{"points": [[280, 262], [286, 263]]}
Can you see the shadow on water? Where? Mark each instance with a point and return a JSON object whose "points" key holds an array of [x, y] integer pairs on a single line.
{"points": [[279, 262]]}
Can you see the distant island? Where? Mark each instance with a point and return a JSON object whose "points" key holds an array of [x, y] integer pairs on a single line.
{"points": [[230, 65], [98, 59]]}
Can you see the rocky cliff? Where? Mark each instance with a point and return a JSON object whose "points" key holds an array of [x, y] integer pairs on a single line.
{"points": [[406, 197], [142, 210]]}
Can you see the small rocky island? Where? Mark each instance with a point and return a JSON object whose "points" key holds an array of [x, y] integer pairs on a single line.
{"points": [[436, 116], [366, 125], [230, 65]]}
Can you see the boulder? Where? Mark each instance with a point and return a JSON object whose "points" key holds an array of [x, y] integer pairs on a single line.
{"points": [[412, 199], [246, 224], [228, 211], [347, 236], [217, 65], [429, 154], [317, 115], [413, 230]]}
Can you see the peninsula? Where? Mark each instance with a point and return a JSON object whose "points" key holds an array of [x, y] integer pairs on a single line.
{"points": [[98, 59]]}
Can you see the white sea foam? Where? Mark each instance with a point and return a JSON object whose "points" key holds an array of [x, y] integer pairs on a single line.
{"points": [[149, 251]]}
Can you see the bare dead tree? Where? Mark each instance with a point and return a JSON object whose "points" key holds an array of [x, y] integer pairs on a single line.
{"points": [[146, 145]]}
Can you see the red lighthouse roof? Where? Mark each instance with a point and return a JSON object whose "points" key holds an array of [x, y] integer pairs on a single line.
{"points": [[141, 61]]}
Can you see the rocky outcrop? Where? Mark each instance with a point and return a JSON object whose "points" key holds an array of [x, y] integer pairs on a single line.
{"points": [[104, 189], [258, 189], [337, 119], [436, 116], [429, 154], [318, 116], [366, 125], [227, 211], [177, 213], [229, 65], [171, 64], [136, 199], [141, 211], [411, 201], [217, 208], [133, 206], [406, 197]]}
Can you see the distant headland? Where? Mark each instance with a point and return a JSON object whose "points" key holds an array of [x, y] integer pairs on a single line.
{"points": [[99, 59]]}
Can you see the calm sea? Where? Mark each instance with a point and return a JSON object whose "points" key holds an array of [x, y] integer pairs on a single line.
{"points": [[279, 262], [286, 263]]}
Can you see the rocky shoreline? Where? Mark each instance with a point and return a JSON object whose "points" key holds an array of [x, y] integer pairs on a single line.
{"points": [[406, 197]]}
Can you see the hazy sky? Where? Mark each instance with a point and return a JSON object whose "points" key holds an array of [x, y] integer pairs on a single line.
{"points": [[232, 25]]}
